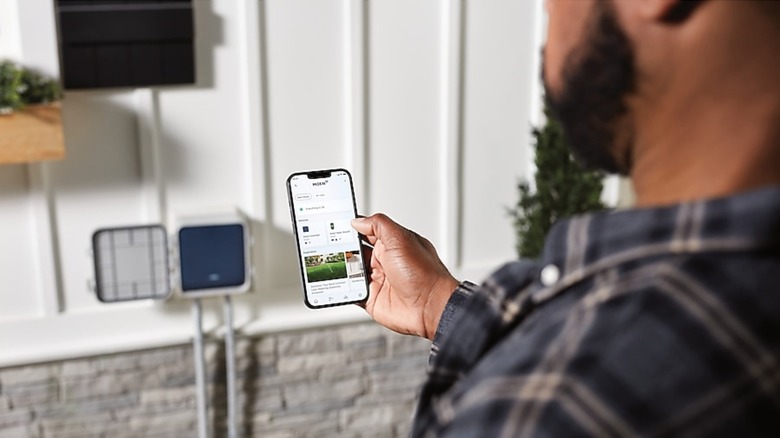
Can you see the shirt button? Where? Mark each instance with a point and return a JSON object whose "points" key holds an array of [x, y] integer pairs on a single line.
{"points": [[550, 275]]}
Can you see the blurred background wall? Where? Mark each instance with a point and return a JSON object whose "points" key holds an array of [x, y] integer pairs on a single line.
{"points": [[429, 103]]}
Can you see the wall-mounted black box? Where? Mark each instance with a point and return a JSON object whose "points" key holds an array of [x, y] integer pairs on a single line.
{"points": [[126, 43]]}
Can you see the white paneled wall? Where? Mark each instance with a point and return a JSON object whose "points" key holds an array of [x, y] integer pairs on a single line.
{"points": [[428, 102], [497, 113], [306, 108], [404, 96], [18, 296]]}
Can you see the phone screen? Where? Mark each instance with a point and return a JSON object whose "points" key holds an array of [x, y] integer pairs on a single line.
{"points": [[322, 204]]}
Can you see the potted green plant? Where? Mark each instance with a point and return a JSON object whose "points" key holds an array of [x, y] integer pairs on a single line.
{"points": [[20, 87], [30, 116], [563, 188]]}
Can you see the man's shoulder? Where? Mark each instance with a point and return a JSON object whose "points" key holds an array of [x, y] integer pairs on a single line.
{"points": [[670, 344], [656, 348]]}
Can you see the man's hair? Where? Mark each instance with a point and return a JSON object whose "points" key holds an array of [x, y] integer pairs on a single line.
{"points": [[769, 7], [592, 101], [682, 10], [685, 8]]}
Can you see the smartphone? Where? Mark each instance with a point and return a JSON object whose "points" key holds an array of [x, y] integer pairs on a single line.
{"points": [[322, 205]]}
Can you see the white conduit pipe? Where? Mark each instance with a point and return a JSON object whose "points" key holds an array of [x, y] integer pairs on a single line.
{"points": [[230, 364], [200, 371]]}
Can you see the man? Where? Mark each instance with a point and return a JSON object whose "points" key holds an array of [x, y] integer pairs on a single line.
{"points": [[658, 321]]}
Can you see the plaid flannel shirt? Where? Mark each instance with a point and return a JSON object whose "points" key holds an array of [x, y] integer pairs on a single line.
{"points": [[646, 322]]}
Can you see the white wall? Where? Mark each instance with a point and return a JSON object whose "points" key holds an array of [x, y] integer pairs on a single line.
{"points": [[10, 38], [428, 102]]}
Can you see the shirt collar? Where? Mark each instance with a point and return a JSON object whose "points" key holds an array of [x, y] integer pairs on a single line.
{"points": [[589, 243]]}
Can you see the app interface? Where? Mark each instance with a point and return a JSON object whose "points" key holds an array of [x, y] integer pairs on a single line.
{"points": [[330, 250]]}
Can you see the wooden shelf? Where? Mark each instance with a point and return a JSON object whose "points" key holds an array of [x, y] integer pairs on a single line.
{"points": [[32, 134]]}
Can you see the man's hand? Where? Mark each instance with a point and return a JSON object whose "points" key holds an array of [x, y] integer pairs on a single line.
{"points": [[410, 286]]}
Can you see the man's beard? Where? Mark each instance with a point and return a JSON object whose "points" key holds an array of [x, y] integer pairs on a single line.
{"points": [[591, 105]]}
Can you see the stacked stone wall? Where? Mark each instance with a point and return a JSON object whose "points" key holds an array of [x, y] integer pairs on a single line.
{"points": [[353, 380]]}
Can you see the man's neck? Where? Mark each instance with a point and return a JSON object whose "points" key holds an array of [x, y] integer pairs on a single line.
{"points": [[719, 151], [710, 128]]}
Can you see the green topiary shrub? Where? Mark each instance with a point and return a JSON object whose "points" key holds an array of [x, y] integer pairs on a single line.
{"points": [[563, 188], [20, 87], [10, 84]]}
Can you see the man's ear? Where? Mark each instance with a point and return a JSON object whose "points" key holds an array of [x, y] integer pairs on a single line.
{"points": [[670, 11], [681, 10]]}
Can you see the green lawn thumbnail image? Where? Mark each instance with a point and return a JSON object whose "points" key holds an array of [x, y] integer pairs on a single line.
{"points": [[323, 269]]}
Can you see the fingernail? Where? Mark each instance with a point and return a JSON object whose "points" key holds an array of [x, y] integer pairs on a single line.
{"points": [[358, 221]]}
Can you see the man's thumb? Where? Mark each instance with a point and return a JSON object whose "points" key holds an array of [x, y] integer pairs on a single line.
{"points": [[362, 225]]}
